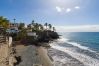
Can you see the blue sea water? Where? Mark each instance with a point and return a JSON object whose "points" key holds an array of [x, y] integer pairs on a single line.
{"points": [[87, 39], [76, 49]]}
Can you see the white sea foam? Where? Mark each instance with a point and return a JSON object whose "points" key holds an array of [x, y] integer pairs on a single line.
{"points": [[85, 59], [78, 45], [65, 40], [62, 40]]}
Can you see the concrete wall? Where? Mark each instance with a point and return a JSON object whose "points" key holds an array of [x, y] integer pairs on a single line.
{"points": [[3, 54], [4, 51]]}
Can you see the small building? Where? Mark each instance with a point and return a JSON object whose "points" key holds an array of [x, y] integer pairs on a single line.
{"points": [[32, 34], [12, 30], [11, 25]]}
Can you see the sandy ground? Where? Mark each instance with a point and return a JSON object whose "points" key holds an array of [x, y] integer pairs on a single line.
{"points": [[3, 54], [31, 55], [44, 57], [19, 49], [28, 55]]}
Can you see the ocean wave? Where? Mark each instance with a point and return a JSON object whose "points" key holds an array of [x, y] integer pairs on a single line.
{"points": [[65, 40], [62, 39], [85, 59]]}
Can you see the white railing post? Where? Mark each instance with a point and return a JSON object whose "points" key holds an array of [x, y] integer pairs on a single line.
{"points": [[10, 41]]}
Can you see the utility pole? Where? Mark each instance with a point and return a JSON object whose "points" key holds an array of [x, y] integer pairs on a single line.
{"points": [[14, 22]]}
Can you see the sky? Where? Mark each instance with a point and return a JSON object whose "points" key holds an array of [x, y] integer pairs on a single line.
{"points": [[65, 15]]}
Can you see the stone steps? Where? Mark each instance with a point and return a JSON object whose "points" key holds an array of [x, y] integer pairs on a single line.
{"points": [[2, 40]]}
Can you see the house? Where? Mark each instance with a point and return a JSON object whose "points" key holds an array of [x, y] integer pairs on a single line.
{"points": [[31, 34], [12, 30], [11, 25]]}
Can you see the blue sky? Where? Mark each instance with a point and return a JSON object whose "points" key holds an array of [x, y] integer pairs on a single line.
{"points": [[56, 12]]}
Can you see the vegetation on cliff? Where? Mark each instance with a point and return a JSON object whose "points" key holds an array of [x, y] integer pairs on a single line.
{"points": [[42, 33]]}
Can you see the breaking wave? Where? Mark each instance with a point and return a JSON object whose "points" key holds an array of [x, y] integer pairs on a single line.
{"points": [[65, 40], [83, 58]]}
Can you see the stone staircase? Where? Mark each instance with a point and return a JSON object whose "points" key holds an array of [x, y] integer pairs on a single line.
{"points": [[2, 39]]}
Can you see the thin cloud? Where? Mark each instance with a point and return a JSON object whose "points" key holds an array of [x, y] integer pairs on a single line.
{"points": [[68, 10], [58, 9], [77, 7], [78, 28]]}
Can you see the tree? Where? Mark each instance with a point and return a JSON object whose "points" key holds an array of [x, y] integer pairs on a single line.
{"points": [[50, 26], [4, 22], [33, 22], [54, 29], [29, 26], [41, 27], [36, 26], [46, 24], [21, 26]]}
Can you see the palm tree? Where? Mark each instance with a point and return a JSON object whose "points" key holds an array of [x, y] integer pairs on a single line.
{"points": [[29, 26], [4, 22], [36, 26], [21, 26], [50, 26], [54, 29], [41, 27], [33, 22], [46, 24]]}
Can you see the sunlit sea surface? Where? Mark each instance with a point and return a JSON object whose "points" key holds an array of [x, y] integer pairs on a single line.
{"points": [[76, 49]]}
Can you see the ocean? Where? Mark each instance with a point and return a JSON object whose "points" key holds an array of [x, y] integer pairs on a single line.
{"points": [[75, 49]]}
